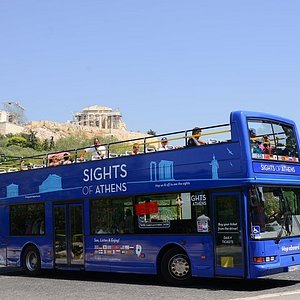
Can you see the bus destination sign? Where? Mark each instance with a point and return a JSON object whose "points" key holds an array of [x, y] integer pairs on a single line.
{"points": [[273, 168]]}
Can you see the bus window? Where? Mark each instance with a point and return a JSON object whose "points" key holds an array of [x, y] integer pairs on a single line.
{"points": [[272, 141], [111, 216], [27, 219], [176, 213], [275, 212]]}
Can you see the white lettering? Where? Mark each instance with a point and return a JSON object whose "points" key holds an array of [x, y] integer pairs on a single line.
{"points": [[288, 169], [110, 172], [107, 173], [290, 248], [97, 174], [111, 188], [123, 174], [278, 168], [86, 176], [199, 199], [87, 190], [267, 167]]}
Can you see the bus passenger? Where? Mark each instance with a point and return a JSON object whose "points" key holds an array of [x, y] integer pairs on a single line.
{"points": [[195, 140], [253, 137], [66, 159], [257, 148], [22, 165], [135, 149], [164, 145], [98, 151], [54, 161], [266, 147]]}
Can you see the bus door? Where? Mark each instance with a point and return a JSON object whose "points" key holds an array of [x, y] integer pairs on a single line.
{"points": [[68, 235], [228, 237]]}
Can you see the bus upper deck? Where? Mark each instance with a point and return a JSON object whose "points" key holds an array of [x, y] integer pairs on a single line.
{"points": [[253, 145]]}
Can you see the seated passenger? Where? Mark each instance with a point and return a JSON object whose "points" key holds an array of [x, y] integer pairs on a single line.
{"points": [[98, 151], [256, 148], [253, 137], [135, 149], [195, 139], [290, 151], [266, 146], [164, 145], [54, 161], [22, 165], [66, 159]]}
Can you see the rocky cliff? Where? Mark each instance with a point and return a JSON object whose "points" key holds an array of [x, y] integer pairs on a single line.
{"points": [[47, 129]]}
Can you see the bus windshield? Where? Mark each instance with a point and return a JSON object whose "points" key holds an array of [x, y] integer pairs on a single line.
{"points": [[272, 140], [274, 212]]}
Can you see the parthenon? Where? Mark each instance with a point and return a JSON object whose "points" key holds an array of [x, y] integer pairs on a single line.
{"points": [[99, 116]]}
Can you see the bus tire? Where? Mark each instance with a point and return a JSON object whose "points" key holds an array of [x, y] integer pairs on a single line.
{"points": [[176, 267], [31, 261]]}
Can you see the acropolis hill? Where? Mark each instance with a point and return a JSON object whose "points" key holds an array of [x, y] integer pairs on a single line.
{"points": [[92, 121], [47, 129]]}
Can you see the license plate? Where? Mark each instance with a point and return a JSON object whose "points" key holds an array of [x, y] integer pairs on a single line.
{"points": [[294, 268]]}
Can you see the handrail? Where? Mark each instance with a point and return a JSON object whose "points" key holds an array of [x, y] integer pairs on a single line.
{"points": [[146, 142]]}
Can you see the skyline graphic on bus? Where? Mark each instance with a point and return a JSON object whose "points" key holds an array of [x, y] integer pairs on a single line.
{"points": [[12, 190], [163, 171], [51, 184]]}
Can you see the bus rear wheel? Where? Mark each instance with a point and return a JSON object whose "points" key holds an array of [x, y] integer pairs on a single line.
{"points": [[31, 261], [176, 267]]}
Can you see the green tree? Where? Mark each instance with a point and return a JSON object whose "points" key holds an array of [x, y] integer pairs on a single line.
{"points": [[52, 144], [32, 140], [151, 132], [46, 145], [17, 141]]}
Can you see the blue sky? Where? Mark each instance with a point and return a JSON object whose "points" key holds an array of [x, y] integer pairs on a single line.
{"points": [[166, 64]]}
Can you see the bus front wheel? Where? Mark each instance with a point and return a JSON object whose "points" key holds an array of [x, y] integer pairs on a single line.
{"points": [[31, 261], [176, 267]]}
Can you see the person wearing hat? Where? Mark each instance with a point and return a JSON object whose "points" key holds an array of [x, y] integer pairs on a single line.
{"points": [[266, 146], [164, 144], [195, 140], [255, 142], [253, 137]]}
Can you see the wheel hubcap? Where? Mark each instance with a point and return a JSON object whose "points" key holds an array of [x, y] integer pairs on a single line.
{"points": [[179, 266], [31, 261]]}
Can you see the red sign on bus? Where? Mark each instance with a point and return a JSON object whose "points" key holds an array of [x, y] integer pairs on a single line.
{"points": [[146, 208]]}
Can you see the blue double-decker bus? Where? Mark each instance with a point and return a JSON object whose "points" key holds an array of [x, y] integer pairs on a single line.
{"points": [[230, 207]]}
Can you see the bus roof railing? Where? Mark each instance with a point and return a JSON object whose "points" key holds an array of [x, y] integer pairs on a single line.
{"points": [[150, 143]]}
